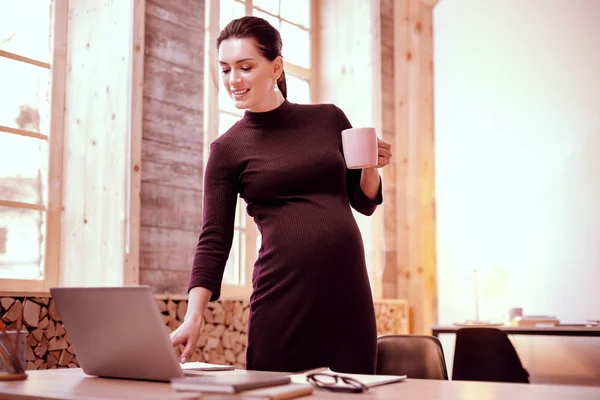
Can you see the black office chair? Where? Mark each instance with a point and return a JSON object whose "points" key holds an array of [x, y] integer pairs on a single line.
{"points": [[416, 356], [486, 354]]}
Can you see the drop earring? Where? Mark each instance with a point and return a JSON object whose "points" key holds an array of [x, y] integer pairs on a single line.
{"points": [[276, 88]]}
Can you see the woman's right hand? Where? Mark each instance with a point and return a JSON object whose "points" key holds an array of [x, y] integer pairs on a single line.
{"points": [[187, 334]]}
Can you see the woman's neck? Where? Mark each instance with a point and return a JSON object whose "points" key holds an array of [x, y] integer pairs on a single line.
{"points": [[272, 102]]}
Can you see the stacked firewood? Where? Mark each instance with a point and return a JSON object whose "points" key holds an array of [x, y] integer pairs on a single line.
{"points": [[224, 334], [48, 345], [223, 339], [391, 316]]}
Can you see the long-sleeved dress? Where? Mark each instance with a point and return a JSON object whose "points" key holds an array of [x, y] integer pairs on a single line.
{"points": [[311, 304]]}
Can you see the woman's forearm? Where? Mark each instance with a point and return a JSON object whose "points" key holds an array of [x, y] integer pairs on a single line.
{"points": [[198, 299], [369, 182]]}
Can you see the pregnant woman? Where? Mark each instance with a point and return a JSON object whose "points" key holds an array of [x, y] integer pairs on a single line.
{"points": [[311, 304]]}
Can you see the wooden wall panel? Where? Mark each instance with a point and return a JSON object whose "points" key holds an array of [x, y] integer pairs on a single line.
{"points": [[172, 83], [172, 146], [166, 206], [97, 126], [392, 212], [187, 14], [177, 175], [414, 167], [168, 154], [166, 281], [166, 164], [170, 123], [348, 62], [177, 248], [168, 41]]}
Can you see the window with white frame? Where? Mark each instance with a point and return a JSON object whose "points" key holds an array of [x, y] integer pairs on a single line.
{"points": [[27, 36], [292, 19]]}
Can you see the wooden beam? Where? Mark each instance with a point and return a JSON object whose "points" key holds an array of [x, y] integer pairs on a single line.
{"points": [[25, 60], [56, 147], [314, 50], [20, 205], [377, 267], [9, 286], [415, 228], [131, 261], [401, 145], [23, 132], [427, 135], [212, 76]]}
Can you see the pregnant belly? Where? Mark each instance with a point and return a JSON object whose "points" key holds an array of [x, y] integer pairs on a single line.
{"points": [[301, 248], [317, 235]]}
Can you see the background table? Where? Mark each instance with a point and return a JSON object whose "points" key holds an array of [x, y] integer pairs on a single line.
{"points": [[525, 330]]}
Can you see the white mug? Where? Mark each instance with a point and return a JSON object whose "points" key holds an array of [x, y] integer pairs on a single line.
{"points": [[360, 147]]}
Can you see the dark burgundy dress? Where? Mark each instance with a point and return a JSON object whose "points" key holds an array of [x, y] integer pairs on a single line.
{"points": [[311, 304]]}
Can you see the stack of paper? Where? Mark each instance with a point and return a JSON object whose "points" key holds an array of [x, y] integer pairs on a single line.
{"points": [[201, 366]]}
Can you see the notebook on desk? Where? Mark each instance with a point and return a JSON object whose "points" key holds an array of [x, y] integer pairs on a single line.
{"points": [[231, 383], [282, 392]]}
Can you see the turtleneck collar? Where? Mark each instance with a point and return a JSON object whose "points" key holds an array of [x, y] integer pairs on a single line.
{"points": [[269, 117]]}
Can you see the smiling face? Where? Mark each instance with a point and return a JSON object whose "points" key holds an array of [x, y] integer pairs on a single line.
{"points": [[248, 77]]}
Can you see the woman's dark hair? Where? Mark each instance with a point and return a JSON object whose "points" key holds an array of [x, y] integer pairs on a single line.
{"points": [[266, 37]]}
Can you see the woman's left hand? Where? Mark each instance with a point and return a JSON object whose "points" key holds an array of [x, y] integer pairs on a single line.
{"points": [[385, 153]]}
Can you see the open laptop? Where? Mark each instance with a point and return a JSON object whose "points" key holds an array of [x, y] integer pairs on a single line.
{"points": [[118, 332]]}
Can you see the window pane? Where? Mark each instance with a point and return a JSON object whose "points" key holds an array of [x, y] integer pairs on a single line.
{"points": [[242, 269], [226, 121], [240, 214], [235, 269], [231, 275], [23, 169], [270, 19], [298, 90], [258, 243], [24, 232], [25, 28], [271, 6], [25, 96], [229, 11], [296, 44], [297, 11]]}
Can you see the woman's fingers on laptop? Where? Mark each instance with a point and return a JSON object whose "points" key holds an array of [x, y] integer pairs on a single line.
{"points": [[189, 348], [186, 334], [179, 337]]}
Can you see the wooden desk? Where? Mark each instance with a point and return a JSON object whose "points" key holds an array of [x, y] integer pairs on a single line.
{"points": [[71, 384], [529, 330]]}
